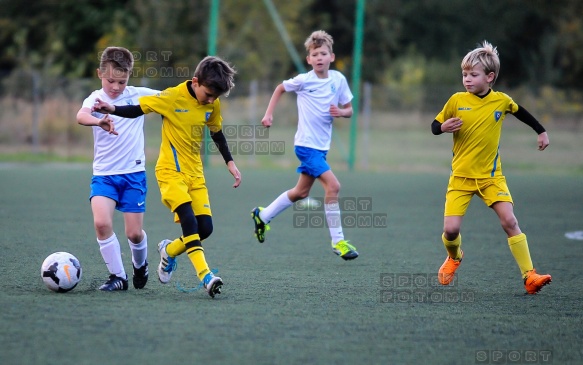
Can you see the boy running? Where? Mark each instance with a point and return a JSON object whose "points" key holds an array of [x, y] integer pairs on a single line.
{"points": [[322, 95]]}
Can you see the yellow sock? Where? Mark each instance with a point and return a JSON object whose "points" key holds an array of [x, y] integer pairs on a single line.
{"points": [[519, 248], [195, 253], [175, 248], [453, 247]]}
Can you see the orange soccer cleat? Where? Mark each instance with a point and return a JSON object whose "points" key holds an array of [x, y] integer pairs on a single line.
{"points": [[534, 282], [447, 270]]}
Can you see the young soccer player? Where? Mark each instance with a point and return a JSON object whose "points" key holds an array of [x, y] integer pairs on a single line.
{"points": [[119, 169], [322, 95], [475, 118], [186, 109]]}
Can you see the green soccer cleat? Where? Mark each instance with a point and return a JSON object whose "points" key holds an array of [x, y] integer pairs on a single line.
{"points": [[260, 226], [345, 250]]}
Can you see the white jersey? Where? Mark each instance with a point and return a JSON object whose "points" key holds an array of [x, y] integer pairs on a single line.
{"points": [[124, 153], [315, 96]]}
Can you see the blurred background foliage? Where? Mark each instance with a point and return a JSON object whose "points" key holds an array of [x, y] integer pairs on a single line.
{"points": [[411, 55], [541, 41]]}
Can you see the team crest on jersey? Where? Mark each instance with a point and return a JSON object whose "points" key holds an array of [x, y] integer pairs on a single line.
{"points": [[333, 88], [497, 116], [207, 116]]}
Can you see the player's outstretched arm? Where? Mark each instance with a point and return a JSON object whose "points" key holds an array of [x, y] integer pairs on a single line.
{"points": [[125, 111], [101, 106], [268, 117]]}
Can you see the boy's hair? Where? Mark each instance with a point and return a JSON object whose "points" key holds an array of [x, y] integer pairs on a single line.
{"points": [[318, 39], [215, 74], [121, 59], [485, 55]]}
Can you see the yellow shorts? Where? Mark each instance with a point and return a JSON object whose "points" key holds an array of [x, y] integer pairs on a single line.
{"points": [[177, 188], [460, 191]]}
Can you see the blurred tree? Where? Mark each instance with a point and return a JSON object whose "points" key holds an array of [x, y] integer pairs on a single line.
{"points": [[540, 42], [178, 26], [25, 32], [80, 25], [56, 37], [253, 43], [569, 43], [337, 17]]}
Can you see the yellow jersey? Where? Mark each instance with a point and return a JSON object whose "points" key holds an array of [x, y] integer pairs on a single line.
{"points": [[476, 145], [183, 122]]}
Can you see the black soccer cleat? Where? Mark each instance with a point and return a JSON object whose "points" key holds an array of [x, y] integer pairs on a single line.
{"points": [[114, 283], [140, 277]]}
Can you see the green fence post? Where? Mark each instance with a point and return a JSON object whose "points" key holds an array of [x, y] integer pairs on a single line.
{"points": [[357, 53]]}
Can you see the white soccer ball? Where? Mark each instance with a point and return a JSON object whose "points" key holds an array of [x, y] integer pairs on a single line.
{"points": [[310, 204], [61, 272]]}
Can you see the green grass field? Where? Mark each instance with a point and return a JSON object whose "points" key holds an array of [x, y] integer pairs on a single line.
{"points": [[291, 300]]}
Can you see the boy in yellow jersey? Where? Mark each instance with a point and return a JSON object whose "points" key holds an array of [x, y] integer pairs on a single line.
{"points": [[186, 109], [475, 118]]}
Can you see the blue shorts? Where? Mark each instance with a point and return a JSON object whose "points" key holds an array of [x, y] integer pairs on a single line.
{"points": [[128, 190], [312, 161]]}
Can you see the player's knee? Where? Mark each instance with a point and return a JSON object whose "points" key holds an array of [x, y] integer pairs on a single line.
{"points": [[205, 226], [103, 227], [451, 232], [509, 223], [135, 236], [450, 236], [333, 189], [187, 219], [193, 244]]}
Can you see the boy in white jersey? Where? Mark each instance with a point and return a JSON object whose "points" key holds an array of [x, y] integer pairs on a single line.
{"points": [[475, 118], [119, 169], [322, 95]]}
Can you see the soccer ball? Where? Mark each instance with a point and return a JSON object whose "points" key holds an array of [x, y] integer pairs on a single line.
{"points": [[61, 272], [310, 204]]}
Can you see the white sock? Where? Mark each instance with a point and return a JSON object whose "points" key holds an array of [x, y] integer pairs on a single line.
{"points": [[280, 204], [139, 251], [334, 220], [111, 253]]}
